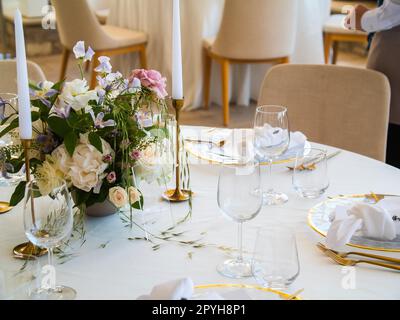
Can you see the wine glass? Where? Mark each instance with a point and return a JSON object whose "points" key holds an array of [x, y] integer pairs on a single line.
{"points": [[238, 201], [271, 140], [48, 220]]}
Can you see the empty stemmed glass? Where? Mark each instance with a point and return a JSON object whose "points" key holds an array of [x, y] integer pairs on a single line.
{"points": [[48, 221], [238, 201], [271, 140]]}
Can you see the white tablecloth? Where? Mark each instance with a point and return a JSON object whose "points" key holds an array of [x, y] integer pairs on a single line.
{"points": [[126, 269], [201, 19]]}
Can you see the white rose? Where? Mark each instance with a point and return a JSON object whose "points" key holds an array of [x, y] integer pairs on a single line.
{"points": [[85, 169], [154, 164], [118, 197], [134, 195], [62, 159], [77, 95]]}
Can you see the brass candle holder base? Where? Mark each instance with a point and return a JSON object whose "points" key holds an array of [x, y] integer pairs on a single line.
{"points": [[177, 195], [4, 207], [28, 250]]}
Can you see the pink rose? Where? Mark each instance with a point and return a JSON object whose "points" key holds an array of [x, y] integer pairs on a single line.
{"points": [[152, 80]]}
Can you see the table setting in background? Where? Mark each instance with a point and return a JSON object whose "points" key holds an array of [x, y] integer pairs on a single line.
{"points": [[118, 200]]}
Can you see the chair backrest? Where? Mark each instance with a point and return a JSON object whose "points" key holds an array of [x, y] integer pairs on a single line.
{"points": [[77, 21], [8, 72], [339, 106], [257, 29]]}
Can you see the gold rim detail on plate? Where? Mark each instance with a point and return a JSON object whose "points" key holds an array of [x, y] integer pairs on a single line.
{"points": [[210, 161], [283, 295], [354, 196]]}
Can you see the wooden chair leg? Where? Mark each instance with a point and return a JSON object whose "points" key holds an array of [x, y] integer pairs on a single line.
{"points": [[335, 52], [225, 65], [87, 66], [64, 63], [93, 75], [207, 78], [143, 57], [286, 60], [327, 47]]}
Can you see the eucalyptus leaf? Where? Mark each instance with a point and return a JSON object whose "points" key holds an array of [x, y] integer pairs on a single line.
{"points": [[18, 194], [95, 140], [70, 142]]}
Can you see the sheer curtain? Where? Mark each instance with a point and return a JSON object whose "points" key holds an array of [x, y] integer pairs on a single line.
{"points": [[201, 19]]}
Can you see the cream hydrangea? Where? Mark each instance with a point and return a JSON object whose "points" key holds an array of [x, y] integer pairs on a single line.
{"points": [[86, 168], [48, 176], [77, 95]]}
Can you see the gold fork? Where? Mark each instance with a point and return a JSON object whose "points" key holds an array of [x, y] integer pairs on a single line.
{"points": [[323, 248], [350, 262]]}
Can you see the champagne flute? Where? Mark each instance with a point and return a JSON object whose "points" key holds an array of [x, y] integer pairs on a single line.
{"points": [[48, 220], [271, 140], [238, 201]]}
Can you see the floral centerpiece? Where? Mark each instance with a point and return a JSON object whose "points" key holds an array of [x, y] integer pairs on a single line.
{"points": [[93, 138]]}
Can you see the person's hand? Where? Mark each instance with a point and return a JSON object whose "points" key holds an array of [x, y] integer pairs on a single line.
{"points": [[354, 17]]}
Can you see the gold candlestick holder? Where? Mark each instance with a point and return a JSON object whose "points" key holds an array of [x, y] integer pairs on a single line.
{"points": [[26, 251], [177, 194]]}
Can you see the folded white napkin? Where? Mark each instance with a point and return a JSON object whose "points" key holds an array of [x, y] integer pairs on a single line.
{"points": [[373, 221], [182, 289]]}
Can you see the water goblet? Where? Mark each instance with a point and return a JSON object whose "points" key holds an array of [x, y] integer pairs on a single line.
{"points": [[271, 140], [238, 202], [48, 221]]}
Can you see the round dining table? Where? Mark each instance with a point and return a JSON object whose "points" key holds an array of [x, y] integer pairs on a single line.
{"points": [[111, 264], [200, 20]]}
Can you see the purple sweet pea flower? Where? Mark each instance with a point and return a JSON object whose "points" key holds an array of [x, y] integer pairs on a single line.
{"points": [[47, 143], [98, 121]]}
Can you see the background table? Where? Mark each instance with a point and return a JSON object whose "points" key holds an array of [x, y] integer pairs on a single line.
{"points": [[126, 269], [201, 19]]}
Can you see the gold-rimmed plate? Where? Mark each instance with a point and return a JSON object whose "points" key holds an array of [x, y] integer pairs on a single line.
{"points": [[319, 221], [216, 155], [240, 292], [5, 207]]}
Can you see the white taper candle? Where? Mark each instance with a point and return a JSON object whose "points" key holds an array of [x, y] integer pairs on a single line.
{"points": [[24, 104], [177, 80]]}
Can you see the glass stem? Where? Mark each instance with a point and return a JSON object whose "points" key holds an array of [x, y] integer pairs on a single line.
{"points": [[270, 185], [240, 242], [52, 269]]}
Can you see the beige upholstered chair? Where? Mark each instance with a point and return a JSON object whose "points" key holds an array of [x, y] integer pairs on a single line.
{"points": [[252, 31], [344, 107], [8, 72], [335, 33], [76, 21]]}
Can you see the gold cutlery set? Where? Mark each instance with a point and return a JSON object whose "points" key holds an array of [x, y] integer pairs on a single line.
{"points": [[376, 260]]}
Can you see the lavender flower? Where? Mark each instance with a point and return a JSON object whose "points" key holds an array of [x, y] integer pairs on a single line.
{"points": [[81, 53], [98, 121], [47, 143]]}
